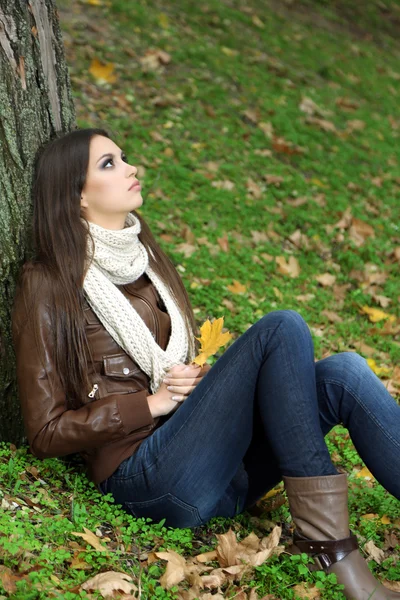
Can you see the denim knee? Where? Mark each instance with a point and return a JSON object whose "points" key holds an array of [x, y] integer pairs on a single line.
{"points": [[288, 319], [344, 365]]}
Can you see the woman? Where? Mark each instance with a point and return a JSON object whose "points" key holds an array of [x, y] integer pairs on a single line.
{"points": [[103, 332]]}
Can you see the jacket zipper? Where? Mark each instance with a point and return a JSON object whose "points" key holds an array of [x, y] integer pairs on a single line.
{"points": [[94, 390], [153, 313]]}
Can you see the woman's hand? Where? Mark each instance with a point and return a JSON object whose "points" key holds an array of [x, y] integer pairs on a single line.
{"points": [[178, 383], [182, 379]]}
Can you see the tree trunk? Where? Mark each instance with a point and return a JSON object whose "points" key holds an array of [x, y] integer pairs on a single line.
{"points": [[35, 101]]}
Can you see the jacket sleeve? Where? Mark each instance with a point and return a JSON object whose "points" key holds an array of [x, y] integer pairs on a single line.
{"points": [[53, 429]]}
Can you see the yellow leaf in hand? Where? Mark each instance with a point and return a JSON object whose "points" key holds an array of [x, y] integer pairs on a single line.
{"points": [[211, 339]]}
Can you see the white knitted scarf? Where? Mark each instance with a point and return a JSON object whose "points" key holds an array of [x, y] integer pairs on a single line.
{"points": [[120, 258]]}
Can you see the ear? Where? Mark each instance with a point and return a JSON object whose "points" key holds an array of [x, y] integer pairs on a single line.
{"points": [[84, 202]]}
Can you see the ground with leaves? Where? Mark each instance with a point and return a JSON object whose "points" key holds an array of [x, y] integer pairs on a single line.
{"points": [[266, 136]]}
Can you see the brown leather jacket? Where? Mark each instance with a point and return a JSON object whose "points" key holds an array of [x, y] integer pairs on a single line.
{"points": [[116, 417]]}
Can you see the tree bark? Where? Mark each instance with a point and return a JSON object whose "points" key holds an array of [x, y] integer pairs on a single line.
{"points": [[35, 102]]}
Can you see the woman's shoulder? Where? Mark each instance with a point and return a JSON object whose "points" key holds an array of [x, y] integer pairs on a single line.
{"points": [[34, 278]]}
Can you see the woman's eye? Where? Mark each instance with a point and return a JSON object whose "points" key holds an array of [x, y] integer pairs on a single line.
{"points": [[107, 162], [124, 158]]}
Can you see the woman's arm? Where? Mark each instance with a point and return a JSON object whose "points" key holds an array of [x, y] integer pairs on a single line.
{"points": [[51, 428]]}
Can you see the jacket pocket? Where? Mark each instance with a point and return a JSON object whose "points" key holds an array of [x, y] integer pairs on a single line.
{"points": [[122, 375]]}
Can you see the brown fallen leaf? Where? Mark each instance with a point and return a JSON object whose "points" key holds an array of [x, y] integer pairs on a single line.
{"points": [[326, 279], [91, 539], [207, 556], [332, 316], [110, 582], [392, 585], [373, 552], [275, 180], [186, 249], [303, 591], [227, 548], [223, 185], [290, 267], [176, 568], [223, 243]]}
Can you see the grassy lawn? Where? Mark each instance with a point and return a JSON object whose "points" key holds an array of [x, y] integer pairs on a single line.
{"points": [[267, 139]]}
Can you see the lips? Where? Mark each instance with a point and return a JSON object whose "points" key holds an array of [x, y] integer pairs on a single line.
{"points": [[135, 186]]}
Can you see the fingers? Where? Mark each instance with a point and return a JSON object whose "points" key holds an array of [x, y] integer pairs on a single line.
{"points": [[181, 390], [177, 398], [189, 370]]}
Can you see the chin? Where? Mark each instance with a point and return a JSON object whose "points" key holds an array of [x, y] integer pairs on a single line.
{"points": [[138, 201]]}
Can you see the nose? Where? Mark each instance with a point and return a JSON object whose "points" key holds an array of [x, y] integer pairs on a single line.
{"points": [[131, 170]]}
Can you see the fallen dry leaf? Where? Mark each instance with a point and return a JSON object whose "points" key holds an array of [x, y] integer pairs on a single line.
{"points": [[223, 243], [186, 249], [236, 287], [207, 556], [176, 568], [303, 591], [290, 267], [110, 582], [377, 370], [91, 539], [365, 473], [373, 552], [223, 185], [102, 72], [375, 314], [326, 279], [392, 585], [275, 180], [227, 548], [211, 339]]}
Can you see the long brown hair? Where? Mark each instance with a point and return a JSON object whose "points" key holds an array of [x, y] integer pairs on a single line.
{"points": [[60, 235]]}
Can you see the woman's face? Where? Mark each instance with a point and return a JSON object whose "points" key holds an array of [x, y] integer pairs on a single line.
{"points": [[111, 189]]}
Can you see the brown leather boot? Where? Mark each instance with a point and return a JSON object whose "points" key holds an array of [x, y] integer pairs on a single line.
{"points": [[319, 509]]}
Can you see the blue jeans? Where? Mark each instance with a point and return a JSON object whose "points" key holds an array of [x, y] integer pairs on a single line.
{"points": [[261, 412]]}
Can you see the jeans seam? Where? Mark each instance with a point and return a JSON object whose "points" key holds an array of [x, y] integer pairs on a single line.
{"points": [[131, 477], [317, 449], [363, 406]]}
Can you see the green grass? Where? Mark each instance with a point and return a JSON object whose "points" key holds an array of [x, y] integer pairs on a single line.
{"points": [[188, 126]]}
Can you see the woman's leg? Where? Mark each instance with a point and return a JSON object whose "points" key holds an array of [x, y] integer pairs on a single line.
{"points": [[349, 392], [192, 468]]}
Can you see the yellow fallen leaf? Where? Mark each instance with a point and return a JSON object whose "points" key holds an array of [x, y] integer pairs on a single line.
{"points": [[211, 339], [377, 370], [375, 314], [102, 72], [91, 539], [236, 287], [272, 493], [365, 473], [163, 20], [385, 520]]}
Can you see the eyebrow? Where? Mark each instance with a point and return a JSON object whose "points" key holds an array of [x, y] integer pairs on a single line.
{"points": [[107, 155]]}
